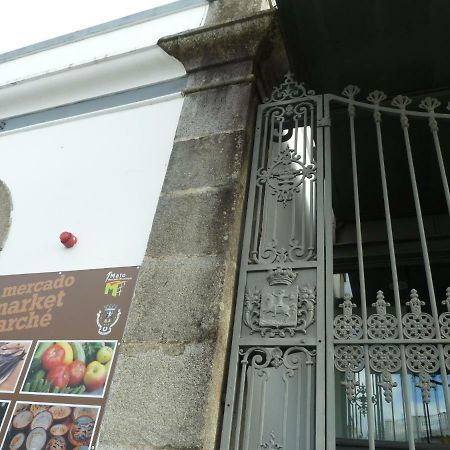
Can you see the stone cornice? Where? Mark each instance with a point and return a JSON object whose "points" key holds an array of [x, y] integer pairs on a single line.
{"points": [[224, 43]]}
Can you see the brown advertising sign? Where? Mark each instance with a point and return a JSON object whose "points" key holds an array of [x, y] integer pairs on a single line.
{"points": [[59, 336]]}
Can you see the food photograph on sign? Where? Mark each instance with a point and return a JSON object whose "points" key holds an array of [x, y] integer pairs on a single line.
{"points": [[3, 409], [76, 368], [47, 426], [12, 359]]}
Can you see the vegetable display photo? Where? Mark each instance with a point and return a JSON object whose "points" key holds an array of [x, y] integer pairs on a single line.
{"points": [[70, 368], [40, 426], [12, 358]]}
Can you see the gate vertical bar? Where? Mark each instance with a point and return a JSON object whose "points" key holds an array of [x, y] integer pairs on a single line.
{"points": [[441, 163], [376, 98], [330, 371], [402, 102], [430, 104], [351, 91], [321, 275]]}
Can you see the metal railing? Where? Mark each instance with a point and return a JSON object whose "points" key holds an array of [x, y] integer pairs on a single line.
{"points": [[301, 369], [413, 343]]}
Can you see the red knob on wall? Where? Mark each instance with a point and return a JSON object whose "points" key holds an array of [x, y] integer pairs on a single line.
{"points": [[67, 239]]}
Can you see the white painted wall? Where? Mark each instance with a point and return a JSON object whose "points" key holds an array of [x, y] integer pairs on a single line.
{"points": [[45, 19], [102, 64], [98, 176], [148, 66], [97, 48]]}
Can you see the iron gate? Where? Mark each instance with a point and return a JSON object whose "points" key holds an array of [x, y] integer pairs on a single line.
{"points": [[293, 351]]}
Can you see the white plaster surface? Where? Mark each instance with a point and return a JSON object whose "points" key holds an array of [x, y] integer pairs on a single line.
{"points": [[110, 62], [98, 176], [45, 19], [148, 66], [96, 48]]}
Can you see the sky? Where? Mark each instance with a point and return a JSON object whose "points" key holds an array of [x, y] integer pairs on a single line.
{"points": [[25, 22]]}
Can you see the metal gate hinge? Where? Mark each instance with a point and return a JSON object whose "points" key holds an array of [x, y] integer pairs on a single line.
{"points": [[324, 122]]}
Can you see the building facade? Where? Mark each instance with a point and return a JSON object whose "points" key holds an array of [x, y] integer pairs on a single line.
{"points": [[292, 243]]}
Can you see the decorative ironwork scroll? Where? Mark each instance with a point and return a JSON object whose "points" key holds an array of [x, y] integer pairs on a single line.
{"points": [[447, 355], [417, 324], [289, 89], [285, 209], [423, 360], [271, 445], [382, 325], [385, 359], [287, 174], [347, 325], [350, 360], [280, 285], [444, 318], [275, 378]]}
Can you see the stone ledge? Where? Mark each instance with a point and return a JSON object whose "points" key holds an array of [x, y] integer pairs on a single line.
{"points": [[223, 43], [215, 111], [215, 77]]}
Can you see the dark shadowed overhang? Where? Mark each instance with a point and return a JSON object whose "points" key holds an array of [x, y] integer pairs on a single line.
{"points": [[393, 45]]}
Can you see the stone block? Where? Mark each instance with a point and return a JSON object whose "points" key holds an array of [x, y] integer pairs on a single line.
{"points": [[208, 161], [235, 40], [177, 299], [224, 10], [215, 111], [192, 224], [159, 397]]}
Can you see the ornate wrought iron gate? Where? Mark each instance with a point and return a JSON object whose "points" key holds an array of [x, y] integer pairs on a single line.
{"points": [[290, 343], [410, 341], [277, 365]]}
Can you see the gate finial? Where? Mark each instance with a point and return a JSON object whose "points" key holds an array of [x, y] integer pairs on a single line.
{"points": [[351, 91], [376, 97], [429, 104], [401, 102], [288, 90]]}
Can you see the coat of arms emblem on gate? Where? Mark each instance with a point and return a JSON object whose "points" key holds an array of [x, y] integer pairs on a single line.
{"points": [[281, 307]]}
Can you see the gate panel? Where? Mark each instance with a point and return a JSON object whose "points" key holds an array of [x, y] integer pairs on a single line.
{"points": [[389, 346], [277, 359], [378, 348]]}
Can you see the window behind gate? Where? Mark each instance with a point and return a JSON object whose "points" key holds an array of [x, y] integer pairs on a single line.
{"points": [[342, 326]]}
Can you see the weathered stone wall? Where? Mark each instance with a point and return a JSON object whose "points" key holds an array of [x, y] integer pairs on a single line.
{"points": [[222, 10], [168, 384]]}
